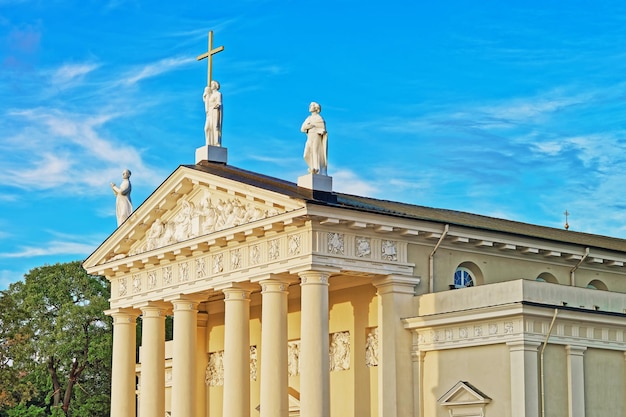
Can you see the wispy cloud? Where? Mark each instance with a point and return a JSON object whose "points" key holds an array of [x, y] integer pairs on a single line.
{"points": [[70, 74], [155, 69], [57, 143], [51, 248]]}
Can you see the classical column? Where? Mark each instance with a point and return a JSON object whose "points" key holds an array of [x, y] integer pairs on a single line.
{"points": [[124, 357], [396, 294], [314, 356], [184, 355], [524, 378], [152, 390], [202, 361], [236, 353], [274, 373], [575, 380]]}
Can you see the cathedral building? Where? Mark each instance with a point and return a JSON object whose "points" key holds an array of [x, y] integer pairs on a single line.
{"points": [[288, 301], [291, 299]]}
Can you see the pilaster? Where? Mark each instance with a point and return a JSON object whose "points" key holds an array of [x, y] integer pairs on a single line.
{"points": [[395, 379], [575, 380], [123, 366], [524, 378]]}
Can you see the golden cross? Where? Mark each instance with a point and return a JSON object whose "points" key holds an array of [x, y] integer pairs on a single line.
{"points": [[566, 218], [209, 54]]}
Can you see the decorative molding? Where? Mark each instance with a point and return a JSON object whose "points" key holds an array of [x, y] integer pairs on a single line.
{"points": [[294, 244], [274, 249], [335, 243], [122, 288], [136, 283], [152, 279], [389, 251], [363, 247], [183, 271]]}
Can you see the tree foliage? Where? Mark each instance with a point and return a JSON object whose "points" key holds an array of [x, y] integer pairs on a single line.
{"points": [[55, 344]]}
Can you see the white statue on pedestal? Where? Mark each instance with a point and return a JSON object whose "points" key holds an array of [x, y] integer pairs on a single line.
{"points": [[214, 112], [123, 204], [316, 147]]}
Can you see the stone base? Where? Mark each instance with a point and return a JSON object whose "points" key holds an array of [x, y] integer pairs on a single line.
{"points": [[211, 154], [316, 182]]}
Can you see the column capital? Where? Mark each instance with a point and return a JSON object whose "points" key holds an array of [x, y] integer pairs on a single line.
{"points": [[527, 345], [274, 286], [575, 350], [236, 294], [396, 283], [330, 270], [314, 277], [123, 315], [154, 308]]}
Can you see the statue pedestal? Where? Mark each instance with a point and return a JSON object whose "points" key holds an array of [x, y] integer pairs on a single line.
{"points": [[211, 154], [316, 182]]}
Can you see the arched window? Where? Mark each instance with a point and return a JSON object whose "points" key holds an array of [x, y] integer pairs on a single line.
{"points": [[596, 284], [463, 278], [547, 277]]}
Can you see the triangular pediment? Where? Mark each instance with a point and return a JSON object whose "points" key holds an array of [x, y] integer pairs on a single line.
{"points": [[189, 204], [463, 393]]}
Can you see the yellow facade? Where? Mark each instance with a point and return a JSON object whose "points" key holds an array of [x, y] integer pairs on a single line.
{"points": [[278, 294]]}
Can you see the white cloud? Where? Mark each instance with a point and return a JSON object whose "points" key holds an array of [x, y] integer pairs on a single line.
{"points": [[155, 69], [58, 145], [54, 247], [70, 73], [348, 182]]}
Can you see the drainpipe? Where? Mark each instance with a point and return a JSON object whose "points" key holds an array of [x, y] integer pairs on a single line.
{"points": [[572, 272], [431, 260], [543, 388]]}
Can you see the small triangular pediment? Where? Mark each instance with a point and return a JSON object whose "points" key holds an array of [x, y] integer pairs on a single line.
{"points": [[463, 393], [195, 202]]}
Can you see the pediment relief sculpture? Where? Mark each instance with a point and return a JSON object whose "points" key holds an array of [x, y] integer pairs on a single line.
{"points": [[206, 213]]}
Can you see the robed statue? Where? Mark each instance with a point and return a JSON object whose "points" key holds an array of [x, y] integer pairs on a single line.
{"points": [[123, 204], [316, 147], [214, 112]]}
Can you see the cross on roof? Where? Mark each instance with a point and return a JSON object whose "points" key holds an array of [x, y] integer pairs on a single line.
{"points": [[209, 54]]}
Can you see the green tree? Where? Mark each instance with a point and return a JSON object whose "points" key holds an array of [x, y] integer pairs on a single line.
{"points": [[55, 343]]}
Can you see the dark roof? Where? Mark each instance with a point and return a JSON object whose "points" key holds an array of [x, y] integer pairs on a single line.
{"points": [[411, 211]]}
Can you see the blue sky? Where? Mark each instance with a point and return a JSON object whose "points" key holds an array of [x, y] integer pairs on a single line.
{"points": [[508, 109]]}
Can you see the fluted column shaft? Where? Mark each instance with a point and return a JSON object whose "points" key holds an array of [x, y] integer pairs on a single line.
{"points": [[236, 353], [274, 373], [314, 357], [152, 390], [123, 366], [183, 365]]}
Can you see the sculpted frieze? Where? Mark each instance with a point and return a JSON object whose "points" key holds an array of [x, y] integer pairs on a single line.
{"points": [[200, 216]]}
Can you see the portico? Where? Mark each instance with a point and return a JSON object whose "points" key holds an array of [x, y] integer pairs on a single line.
{"points": [[244, 271]]}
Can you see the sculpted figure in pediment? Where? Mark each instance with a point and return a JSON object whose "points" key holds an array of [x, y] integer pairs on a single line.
{"points": [[200, 216]]}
